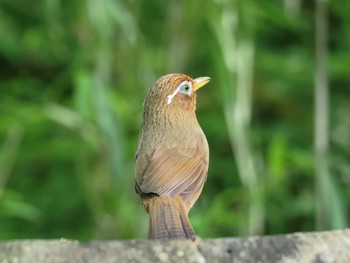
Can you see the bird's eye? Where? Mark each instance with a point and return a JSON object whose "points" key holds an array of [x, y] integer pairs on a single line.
{"points": [[186, 88]]}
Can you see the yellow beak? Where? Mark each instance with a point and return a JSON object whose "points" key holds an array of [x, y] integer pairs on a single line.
{"points": [[200, 82]]}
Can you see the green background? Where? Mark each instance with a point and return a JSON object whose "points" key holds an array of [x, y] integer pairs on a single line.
{"points": [[73, 77]]}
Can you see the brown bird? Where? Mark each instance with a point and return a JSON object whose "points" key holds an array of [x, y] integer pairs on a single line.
{"points": [[172, 156]]}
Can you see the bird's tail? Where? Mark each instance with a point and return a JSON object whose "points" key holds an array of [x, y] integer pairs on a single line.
{"points": [[168, 218]]}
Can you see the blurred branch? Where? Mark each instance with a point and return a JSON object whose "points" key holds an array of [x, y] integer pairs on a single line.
{"points": [[238, 57], [103, 21], [242, 144], [73, 121], [105, 178], [292, 8], [8, 153], [330, 208]]}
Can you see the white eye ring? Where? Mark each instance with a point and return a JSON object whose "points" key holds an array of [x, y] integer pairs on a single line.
{"points": [[184, 88]]}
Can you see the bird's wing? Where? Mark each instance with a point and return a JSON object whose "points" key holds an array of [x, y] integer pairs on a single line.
{"points": [[172, 172]]}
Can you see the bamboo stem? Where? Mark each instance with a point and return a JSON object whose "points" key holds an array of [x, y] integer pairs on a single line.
{"points": [[321, 116], [238, 59]]}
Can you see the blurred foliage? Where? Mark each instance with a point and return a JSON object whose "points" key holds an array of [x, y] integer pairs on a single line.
{"points": [[73, 78]]}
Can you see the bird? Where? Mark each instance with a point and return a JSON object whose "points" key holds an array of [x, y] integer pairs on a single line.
{"points": [[172, 156]]}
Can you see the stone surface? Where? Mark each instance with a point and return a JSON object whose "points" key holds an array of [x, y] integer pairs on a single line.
{"points": [[317, 247]]}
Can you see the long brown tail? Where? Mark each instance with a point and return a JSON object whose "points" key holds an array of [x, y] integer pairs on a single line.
{"points": [[168, 218]]}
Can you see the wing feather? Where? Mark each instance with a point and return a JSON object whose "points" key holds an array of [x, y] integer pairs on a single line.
{"points": [[173, 172]]}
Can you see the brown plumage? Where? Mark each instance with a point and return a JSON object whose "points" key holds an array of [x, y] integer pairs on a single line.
{"points": [[172, 156]]}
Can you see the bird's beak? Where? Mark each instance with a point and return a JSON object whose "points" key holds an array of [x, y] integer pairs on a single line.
{"points": [[200, 82]]}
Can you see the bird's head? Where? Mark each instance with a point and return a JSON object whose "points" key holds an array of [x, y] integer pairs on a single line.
{"points": [[176, 91]]}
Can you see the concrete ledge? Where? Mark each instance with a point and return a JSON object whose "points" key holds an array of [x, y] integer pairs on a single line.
{"points": [[317, 247]]}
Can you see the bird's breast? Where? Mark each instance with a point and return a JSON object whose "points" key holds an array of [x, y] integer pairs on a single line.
{"points": [[173, 129]]}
